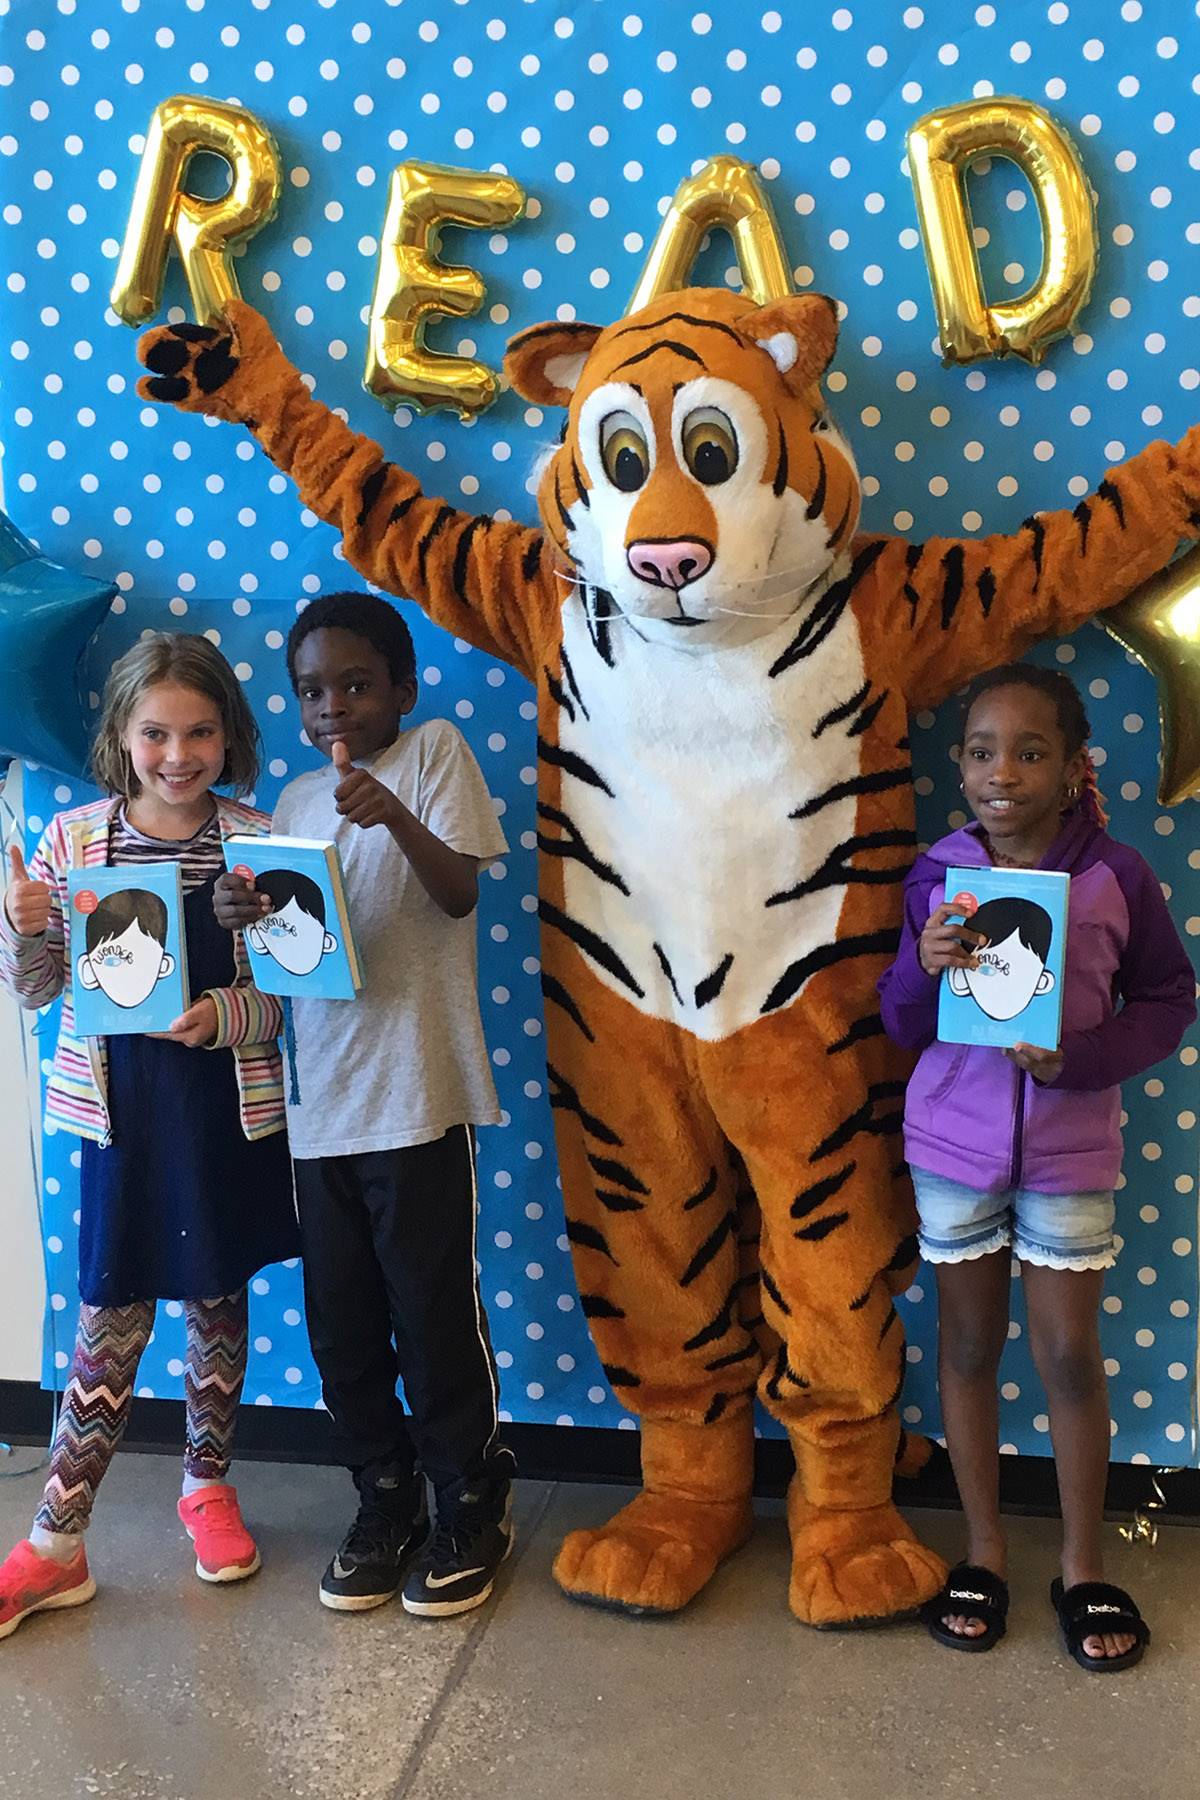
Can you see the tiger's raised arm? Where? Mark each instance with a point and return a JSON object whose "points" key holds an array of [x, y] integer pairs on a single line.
{"points": [[943, 610], [489, 581]]}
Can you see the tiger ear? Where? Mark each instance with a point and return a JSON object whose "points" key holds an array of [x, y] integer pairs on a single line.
{"points": [[544, 363], [799, 333]]}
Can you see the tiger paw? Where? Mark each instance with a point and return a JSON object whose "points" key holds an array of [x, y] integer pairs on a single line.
{"points": [[654, 1556], [218, 370], [857, 1568]]}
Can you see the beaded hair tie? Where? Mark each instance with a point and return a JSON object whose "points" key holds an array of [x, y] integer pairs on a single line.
{"points": [[1088, 792]]}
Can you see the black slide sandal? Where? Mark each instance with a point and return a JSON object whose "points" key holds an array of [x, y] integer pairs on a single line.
{"points": [[974, 1593], [1095, 1609]]}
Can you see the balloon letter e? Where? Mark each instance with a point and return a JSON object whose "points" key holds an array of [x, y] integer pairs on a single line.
{"points": [[411, 284]]}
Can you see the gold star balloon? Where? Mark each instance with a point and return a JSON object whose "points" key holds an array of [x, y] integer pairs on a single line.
{"points": [[1160, 624]]}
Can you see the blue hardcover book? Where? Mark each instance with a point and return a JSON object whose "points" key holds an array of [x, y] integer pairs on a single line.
{"points": [[1015, 995], [128, 947], [305, 945]]}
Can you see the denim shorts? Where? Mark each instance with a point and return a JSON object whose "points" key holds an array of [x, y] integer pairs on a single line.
{"points": [[1058, 1231]]}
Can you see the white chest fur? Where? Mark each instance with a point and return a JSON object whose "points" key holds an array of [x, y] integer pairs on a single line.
{"points": [[682, 769]]}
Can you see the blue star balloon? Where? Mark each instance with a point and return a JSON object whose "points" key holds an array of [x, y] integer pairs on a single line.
{"points": [[48, 616]]}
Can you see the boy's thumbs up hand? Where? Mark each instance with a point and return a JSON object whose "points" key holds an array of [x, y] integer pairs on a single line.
{"points": [[358, 796], [26, 902]]}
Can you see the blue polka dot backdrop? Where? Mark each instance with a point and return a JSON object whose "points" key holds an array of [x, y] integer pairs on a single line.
{"points": [[600, 109]]}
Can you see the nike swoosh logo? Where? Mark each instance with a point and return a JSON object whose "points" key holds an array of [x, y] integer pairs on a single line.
{"points": [[438, 1581], [340, 1570]]}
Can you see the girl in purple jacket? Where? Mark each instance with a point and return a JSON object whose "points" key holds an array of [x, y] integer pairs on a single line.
{"points": [[1018, 1151]]}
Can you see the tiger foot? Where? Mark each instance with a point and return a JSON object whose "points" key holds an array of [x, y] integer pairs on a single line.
{"points": [[912, 1455], [654, 1556], [857, 1568]]}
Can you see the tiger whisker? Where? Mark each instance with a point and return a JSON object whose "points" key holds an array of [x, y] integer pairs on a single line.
{"points": [[769, 585], [773, 579]]}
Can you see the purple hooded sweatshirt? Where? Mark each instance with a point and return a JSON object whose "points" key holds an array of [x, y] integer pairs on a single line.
{"points": [[970, 1114]]}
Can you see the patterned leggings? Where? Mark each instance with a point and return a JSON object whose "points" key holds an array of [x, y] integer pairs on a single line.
{"points": [[99, 1391]]}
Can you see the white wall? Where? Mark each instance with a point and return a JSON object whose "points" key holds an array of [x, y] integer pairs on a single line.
{"points": [[22, 1279], [22, 1283]]}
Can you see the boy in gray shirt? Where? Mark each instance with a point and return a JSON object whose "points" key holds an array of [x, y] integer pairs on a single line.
{"points": [[390, 1086]]}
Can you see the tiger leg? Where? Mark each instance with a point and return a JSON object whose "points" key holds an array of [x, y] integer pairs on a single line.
{"points": [[651, 1201], [818, 1129]]}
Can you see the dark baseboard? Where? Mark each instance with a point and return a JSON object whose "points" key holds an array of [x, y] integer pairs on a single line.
{"points": [[582, 1453]]}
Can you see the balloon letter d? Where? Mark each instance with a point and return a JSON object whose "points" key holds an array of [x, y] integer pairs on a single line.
{"points": [[941, 146]]}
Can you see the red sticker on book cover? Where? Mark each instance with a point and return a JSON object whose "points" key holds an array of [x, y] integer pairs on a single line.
{"points": [[965, 902], [245, 873], [86, 901]]}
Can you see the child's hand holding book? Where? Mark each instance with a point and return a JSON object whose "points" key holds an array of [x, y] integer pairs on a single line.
{"points": [[195, 1029], [1044, 1065], [237, 903], [944, 945]]}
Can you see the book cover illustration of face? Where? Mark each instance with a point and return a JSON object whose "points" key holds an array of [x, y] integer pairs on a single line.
{"points": [[293, 932], [1012, 959], [126, 954]]}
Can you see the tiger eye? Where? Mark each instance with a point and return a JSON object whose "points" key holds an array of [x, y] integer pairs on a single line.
{"points": [[709, 447], [624, 452]]}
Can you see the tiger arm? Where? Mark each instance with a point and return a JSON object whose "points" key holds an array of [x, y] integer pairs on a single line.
{"points": [[491, 582], [944, 610]]}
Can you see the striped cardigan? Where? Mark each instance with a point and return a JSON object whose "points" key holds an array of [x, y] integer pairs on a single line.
{"points": [[37, 970]]}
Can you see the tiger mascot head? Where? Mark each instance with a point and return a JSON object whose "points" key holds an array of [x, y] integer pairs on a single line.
{"points": [[700, 485]]}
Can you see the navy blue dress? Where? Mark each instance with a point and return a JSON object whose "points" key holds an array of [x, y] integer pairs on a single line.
{"points": [[181, 1205]]}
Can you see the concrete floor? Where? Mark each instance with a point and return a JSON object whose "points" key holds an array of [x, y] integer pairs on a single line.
{"points": [[165, 1689]]}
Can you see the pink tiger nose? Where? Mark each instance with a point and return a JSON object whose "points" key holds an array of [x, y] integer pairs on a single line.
{"points": [[669, 562]]}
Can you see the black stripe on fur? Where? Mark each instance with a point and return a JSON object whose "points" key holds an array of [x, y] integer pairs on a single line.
{"points": [[557, 994], [591, 943], [873, 943], [708, 1249]]}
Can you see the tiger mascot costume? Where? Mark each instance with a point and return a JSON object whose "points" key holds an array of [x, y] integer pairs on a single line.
{"points": [[724, 668]]}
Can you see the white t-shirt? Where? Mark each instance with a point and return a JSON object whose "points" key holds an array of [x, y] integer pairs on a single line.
{"points": [[406, 1060]]}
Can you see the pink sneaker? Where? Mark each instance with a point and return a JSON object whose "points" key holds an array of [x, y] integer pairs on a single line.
{"points": [[225, 1551], [31, 1583]]}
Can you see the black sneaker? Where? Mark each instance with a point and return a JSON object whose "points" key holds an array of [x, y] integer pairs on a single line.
{"points": [[392, 1523], [458, 1567]]}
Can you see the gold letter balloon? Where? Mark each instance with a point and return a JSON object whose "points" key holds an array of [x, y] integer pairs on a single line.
{"points": [[725, 192], [411, 284], [1160, 624], [204, 231], [941, 147]]}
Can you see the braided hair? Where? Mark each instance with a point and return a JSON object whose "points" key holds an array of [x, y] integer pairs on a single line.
{"points": [[1069, 711]]}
